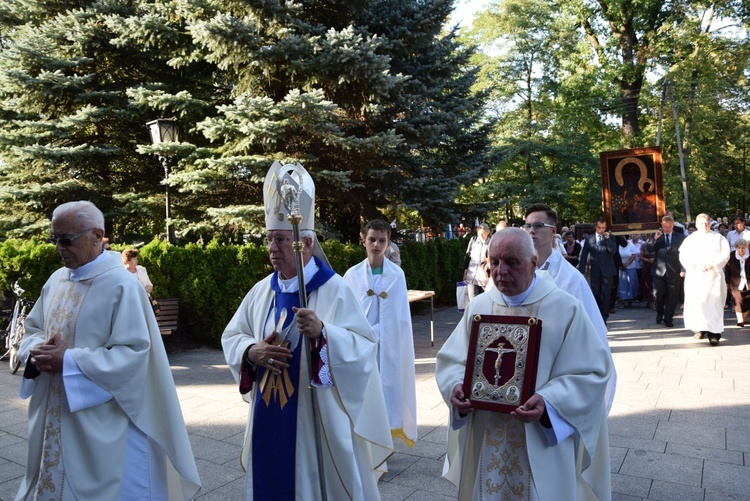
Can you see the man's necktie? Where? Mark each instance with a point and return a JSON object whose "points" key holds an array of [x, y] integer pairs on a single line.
{"points": [[669, 242]]}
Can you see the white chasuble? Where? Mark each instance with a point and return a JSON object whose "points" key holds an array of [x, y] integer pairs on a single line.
{"points": [[483, 457], [79, 447]]}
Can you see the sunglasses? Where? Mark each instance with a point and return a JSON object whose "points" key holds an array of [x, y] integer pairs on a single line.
{"points": [[68, 241], [536, 226]]}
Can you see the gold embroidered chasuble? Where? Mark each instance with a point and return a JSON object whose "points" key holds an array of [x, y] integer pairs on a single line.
{"points": [[67, 301], [112, 335], [485, 458]]}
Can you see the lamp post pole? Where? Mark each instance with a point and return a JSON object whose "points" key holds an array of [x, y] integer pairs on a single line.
{"points": [[164, 130], [165, 162]]}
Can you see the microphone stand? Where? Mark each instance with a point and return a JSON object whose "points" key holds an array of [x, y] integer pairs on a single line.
{"points": [[290, 195]]}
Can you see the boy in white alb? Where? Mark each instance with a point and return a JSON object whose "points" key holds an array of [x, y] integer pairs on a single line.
{"points": [[380, 286]]}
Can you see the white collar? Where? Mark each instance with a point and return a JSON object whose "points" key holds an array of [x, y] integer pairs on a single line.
{"points": [[77, 273], [518, 299], [292, 284]]}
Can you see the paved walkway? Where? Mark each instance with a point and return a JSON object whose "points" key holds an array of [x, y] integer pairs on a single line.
{"points": [[679, 427]]}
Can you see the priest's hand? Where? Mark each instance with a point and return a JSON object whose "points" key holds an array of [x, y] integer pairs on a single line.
{"points": [[308, 322], [48, 357], [531, 410], [269, 354], [459, 400]]}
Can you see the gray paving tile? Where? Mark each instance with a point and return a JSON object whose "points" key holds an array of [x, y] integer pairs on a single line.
{"points": [[397, 464], [644, 428], [631, 485], [671, 491], [691, 434], [662, 467], [616, 496], [728, 478], [720, 455], [616, 457], [724, 496], [214, 451], [426, 474], [642, 444], [710, 418], [9, 488], [10, 471], [232, 490], [215, 476], [738, 440]]}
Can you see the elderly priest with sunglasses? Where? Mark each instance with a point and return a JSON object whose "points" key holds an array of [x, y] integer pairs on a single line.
{"points": [[104, 418], [311, 402]]}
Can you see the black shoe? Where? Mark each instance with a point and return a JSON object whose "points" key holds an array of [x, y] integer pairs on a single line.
{"points": [[740, 324], [713, 339], [659, 318], [668, 323], [699, 335]]}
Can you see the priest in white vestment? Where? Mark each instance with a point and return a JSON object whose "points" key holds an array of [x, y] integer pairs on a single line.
{"points": [[278, 373], [380, 286], [703, 254], [566, 277], [104, 418], [555, 445]]}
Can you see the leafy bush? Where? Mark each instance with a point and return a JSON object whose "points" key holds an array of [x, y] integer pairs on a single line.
{"points": [[211, 280]]}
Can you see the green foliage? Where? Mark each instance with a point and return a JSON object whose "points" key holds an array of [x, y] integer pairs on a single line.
{"points": [[560, 73], [211, 281], [343, 256], [30, 261], [369, 96]]}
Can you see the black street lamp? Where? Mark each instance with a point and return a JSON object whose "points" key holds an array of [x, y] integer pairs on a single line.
{"points": [[164, 130]]}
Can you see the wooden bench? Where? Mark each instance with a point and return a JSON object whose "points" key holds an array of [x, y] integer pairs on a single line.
{"points": [[167, 319]]}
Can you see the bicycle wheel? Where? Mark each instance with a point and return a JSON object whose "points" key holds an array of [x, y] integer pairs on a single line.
{"points": [[15, 344], [15, 362]]}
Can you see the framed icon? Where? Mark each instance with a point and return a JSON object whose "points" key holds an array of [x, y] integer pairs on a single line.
{"points": [[632, 189], [502, 361]]}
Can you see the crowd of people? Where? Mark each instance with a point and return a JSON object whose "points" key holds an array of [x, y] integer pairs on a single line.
{"points": [[702, 279], [326, 364]]}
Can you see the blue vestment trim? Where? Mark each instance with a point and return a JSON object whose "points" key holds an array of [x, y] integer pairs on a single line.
{"points": [[275, 412]]}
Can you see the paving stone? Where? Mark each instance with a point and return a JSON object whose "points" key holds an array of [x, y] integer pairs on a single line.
{"points": [[631, 485], [671, 491], [691, 434], [662, 466], [728, 478], [720, 455]]}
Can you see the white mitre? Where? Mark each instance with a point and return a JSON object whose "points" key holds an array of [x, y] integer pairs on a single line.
{"points": [[286, 181]]}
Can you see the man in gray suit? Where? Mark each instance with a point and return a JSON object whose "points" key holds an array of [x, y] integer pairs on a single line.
{"points": [[601, 248], [666, 269]]}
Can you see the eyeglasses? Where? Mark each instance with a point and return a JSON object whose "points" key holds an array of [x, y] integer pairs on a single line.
{"points": [[279, 240], [68, 241], [536, 226]]}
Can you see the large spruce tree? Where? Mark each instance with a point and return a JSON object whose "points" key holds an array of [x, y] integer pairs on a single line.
{"points": [[370, 96]]}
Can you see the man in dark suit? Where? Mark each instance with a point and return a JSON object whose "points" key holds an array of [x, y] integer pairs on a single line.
{"points": [[666, 269], [601, 248]]}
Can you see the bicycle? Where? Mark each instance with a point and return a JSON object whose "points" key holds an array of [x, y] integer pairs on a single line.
{"points": [[15, 330]]}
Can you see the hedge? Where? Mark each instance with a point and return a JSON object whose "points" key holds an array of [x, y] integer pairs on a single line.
{"points": [[211, 280]]}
